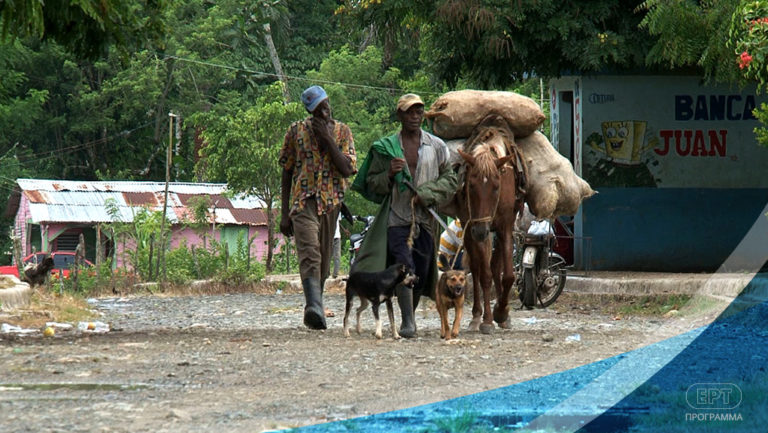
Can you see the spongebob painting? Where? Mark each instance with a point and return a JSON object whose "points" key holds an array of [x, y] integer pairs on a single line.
{"points": [[619, 157]]}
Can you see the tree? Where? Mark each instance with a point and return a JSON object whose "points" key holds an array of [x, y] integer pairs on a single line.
{"points": [[242, 147], [748, 35], [726, 40], [393, 24], [498, 43], [691, 35], [86, 27]]}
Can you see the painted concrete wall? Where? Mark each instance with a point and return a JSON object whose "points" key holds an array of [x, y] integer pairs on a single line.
{"points": [[679, 173]]}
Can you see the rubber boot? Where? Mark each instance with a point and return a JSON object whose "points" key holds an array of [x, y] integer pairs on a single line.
{"points": [[416, 298], [405, 302], [314, 314]]}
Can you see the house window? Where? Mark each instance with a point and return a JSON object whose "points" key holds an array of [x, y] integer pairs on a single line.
{"points": [[67, 241]]}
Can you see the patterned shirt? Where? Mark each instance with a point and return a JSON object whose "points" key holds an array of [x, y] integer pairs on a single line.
{"points": [[314, 174]]}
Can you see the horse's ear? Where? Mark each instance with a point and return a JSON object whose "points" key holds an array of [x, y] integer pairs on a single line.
{"points": [[503, 160], [467, 157]]}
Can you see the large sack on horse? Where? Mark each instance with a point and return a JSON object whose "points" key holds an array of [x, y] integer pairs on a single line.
{"points": [[553, 187], [455, 114]]}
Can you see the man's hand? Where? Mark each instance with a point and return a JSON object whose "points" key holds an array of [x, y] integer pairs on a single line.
{"points": [[396, 165], [417, 200], [322, 130], [286, 228]]}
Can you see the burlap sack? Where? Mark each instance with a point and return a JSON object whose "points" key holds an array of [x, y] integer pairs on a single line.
{"points": [[553, 187], [455, 114]]}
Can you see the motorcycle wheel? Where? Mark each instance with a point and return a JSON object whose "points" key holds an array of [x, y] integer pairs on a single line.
{"points": [[529, 288], [552, 286]]}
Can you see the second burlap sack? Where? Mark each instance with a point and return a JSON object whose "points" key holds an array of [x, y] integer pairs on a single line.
{"points": [[553, 187]]}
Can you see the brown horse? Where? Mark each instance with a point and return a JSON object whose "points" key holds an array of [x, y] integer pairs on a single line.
{"points": [[488, 202]]}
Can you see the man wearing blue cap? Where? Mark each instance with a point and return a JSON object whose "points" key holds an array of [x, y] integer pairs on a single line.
{"points": [[318, 155]]}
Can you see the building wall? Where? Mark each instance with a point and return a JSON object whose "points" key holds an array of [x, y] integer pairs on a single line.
{"points": [[678, 170], [179, 235]]}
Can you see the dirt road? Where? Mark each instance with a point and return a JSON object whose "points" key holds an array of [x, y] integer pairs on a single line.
{"points": [[243, 362]]}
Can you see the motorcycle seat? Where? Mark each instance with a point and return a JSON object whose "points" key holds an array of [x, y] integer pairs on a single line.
{"points": [[536, 239]]}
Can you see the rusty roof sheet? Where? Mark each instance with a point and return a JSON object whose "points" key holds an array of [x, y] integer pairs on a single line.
{"points": [[84, 201]]}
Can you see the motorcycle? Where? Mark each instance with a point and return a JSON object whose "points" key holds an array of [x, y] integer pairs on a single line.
{"points": [[356, 239], [541, 272]]}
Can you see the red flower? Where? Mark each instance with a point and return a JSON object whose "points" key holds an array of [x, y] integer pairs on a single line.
{"points": [[746, 59]]}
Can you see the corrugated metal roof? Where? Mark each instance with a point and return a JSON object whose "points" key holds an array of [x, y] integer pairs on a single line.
{"points": [[84, 201]]}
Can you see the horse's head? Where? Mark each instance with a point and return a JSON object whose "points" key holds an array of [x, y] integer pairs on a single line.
{"points": [[482, 188]]}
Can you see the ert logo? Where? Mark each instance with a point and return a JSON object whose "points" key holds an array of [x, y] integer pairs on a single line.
{"points": [[713, 396]]}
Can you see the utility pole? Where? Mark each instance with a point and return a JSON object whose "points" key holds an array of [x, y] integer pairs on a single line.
{"points": [[161, 249]]}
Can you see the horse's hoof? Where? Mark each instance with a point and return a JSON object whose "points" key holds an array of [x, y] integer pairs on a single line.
{"points": [[500, 316], [506, 324], [474, 325], [486, 328]]}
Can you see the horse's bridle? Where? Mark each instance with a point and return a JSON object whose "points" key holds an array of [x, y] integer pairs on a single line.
{"points": [[488, 218]]}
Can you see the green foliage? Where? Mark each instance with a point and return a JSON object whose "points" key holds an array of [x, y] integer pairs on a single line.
{"points": [[392, 24], [366, 102], [88, 27], [761, 113], [498, 43], [92, 279], [242, 144], [239, 269], [185, 263], [286, 259], [748, 38], [691, 34]]}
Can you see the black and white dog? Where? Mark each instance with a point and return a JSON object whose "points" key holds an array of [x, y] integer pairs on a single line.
{"points": [[376, 287]]}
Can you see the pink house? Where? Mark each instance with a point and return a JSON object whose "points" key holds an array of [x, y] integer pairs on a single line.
{"points": [[50, 215]]}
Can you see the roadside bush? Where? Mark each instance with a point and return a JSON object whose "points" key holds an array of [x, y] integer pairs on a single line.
{"points": [[239, 268], [92, 280], [179, 265]]}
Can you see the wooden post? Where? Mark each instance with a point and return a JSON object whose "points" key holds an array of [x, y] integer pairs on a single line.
{"points": [[197, 262], [226, 256], [17, 255], [79, 256], [99, 252]]}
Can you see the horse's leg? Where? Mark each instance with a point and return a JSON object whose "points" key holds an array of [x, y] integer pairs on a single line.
{"points": [[497, 268], [470, 249], [487, 326], [505, 249]]}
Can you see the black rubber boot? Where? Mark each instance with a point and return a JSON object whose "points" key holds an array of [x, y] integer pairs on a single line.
{"points": [[314, 314], [405, 302]]}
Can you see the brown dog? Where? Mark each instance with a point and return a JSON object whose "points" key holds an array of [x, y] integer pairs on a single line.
{"points": [[450, 294]]}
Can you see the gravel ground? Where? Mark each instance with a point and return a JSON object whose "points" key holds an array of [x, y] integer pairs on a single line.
{"points": [[243, 362]]}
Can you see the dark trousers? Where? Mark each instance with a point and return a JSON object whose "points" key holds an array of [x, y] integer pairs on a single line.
{"points": [[419, 259]]}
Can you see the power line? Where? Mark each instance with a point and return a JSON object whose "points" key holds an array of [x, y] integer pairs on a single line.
{"points": [[75, 147], [290, 77]]}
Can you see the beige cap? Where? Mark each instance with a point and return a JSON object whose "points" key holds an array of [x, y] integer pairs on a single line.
{"points": [[406, 101]]}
